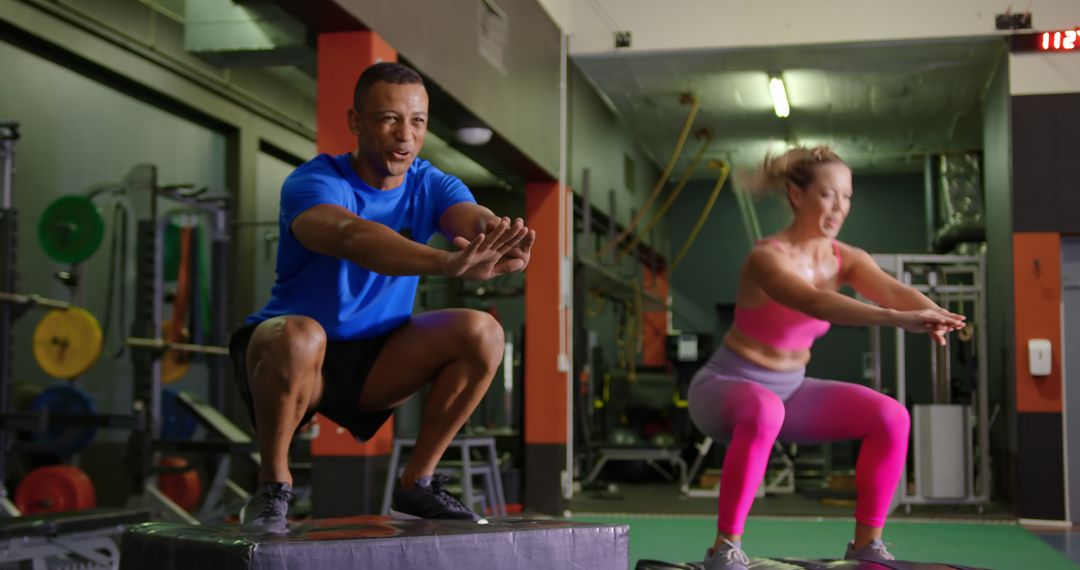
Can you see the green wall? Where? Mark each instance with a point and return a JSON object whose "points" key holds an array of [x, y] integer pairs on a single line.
{"points": [[997, 175], [600, 141], [270, 173]]}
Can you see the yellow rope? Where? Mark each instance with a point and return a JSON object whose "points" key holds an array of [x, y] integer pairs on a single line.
{"points": [[724, 169], [670, 200], [659, 183]]}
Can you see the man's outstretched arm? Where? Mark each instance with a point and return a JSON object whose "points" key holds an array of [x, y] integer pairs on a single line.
{"points": [[337, 232], [334, 231], [463, 221]]}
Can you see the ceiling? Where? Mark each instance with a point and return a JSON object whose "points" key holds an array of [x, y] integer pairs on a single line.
{"points": [[883, 107], [449, 159], [440, 150]]}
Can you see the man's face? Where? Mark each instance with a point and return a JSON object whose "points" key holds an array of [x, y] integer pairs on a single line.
{"points": [[390, 125]]}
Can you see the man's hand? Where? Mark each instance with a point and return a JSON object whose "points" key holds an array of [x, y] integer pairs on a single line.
{"points": [[489, 253], [517, 258]]}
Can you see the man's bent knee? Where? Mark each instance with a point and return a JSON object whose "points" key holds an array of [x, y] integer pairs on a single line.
{"points": [[484, 337], [289, 345]]}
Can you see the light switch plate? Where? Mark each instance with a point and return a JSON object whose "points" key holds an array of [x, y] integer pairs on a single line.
{"points": [[1039, 353]]}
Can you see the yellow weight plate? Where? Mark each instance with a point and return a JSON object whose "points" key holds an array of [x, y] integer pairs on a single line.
{"points": [[67, 342], [175, 364]]}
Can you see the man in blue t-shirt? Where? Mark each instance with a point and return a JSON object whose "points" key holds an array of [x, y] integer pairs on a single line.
{"points": [[337, 336]]}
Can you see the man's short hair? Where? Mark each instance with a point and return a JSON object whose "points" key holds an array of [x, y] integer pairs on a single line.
{"points": [[388, 71]]}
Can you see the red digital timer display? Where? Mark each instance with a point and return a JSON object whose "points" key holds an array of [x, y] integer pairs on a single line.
{"points": [[1062, 41], [1067, 40]]}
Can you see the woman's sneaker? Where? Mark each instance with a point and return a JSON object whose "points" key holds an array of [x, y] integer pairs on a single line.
{"points": [[728, 557], [873, 552], [428, 499]]}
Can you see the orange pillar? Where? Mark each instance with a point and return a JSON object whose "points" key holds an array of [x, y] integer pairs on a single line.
{"points": [[350, 472], [1041, 485], [342, 57], [545, 384], [654, 348], [1037, 292]]}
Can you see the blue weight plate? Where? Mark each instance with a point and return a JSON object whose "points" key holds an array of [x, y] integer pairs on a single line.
{"points": [[60, 440], [177, 421]]}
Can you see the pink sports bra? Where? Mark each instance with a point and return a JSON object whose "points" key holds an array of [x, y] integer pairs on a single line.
{"points": [[780, 326]]}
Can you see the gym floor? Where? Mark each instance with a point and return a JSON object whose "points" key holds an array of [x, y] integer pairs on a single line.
{"points": [[664, 525]]}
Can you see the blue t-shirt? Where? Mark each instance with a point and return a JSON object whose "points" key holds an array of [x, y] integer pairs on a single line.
{"points": [[349, 301]]}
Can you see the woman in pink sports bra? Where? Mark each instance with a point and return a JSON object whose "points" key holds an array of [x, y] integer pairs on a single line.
{"points": [[754, 389]]}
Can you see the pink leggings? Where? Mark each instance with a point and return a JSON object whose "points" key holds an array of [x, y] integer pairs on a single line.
{"points": [[734, 399]]}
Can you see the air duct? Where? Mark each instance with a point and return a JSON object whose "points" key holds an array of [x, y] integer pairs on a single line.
{"points": [[248, 34], [960, 201]]}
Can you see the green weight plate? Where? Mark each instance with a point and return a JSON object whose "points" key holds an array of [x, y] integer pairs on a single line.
{"points": [[71, 229]]}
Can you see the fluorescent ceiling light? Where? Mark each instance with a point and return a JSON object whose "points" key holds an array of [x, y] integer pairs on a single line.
{"points": [[474, 136], [779, 97]]}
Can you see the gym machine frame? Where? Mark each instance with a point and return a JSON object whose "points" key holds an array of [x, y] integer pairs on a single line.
{"points": [[9, 133], [602, 273], [899, 265], [148, 348]]}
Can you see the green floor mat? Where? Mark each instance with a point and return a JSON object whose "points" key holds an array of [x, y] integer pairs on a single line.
{"points": [[993, 546]]}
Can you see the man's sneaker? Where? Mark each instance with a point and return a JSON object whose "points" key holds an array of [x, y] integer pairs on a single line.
{"points": [[429, 500], [728, 557], [265, 511], [873, 552]]}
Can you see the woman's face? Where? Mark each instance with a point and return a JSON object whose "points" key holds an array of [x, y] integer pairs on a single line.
{"points": [[825, 203]]}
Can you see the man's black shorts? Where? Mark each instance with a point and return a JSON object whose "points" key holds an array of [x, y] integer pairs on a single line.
{"points": [[345, 369]]}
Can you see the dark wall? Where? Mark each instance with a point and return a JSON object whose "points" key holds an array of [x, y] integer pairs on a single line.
{"points": [[601, 142], [1045, 148], [1046, 168]]}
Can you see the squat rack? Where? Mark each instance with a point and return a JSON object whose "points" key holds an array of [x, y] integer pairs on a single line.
{"points": [[931, 275], [145, 419], [149, 347]]}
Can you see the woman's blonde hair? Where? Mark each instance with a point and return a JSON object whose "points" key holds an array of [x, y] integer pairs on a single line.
{"points": [[796, 166]]}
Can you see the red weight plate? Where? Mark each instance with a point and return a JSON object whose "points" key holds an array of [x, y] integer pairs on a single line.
{"points": [[55, 488], [183, 488]]}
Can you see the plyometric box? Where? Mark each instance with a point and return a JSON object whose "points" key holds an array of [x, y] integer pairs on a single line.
{"points": [[380, 542], [799, 564]]}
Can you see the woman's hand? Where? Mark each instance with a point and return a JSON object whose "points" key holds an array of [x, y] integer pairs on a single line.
{"points": [[935, 322]]}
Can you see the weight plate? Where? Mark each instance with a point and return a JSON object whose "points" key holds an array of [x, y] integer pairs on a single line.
{"points": [[67, 342], [55, 488], [184, 487], [71, 229], [177, 421], [175, 364], [63, 441]]}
